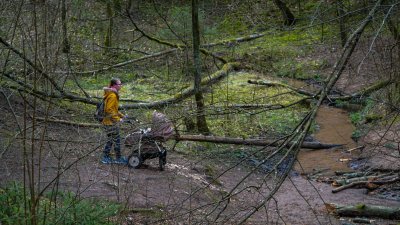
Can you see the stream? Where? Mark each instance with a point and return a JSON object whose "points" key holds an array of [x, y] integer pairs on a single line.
{"points": [[334, 126]]}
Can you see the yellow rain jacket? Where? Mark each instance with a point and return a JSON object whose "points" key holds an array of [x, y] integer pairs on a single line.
{"points": [[112, 115]]}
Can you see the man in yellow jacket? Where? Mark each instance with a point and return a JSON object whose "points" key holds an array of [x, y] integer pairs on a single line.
{"points": [[112, 120]]}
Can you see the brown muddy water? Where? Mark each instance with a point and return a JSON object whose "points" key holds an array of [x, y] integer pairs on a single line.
{"points": [[334, 127]]}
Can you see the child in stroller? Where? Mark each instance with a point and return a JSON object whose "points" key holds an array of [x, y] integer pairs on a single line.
{"points": [[148, 143]]}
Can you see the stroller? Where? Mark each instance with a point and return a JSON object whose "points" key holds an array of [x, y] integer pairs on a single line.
{"points": [[148, 143]]}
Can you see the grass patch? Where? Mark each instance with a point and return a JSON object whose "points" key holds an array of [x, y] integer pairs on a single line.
{"points": [[68, 209]]}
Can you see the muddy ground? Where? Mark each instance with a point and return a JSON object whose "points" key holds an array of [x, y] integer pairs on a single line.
{"points": [[190, 189]]}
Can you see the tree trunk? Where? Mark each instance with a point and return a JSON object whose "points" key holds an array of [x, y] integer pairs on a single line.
{"points": [[394, 91], [288, 16], [108, 34], [201, 118], [66, 46], [342, 22], [254, 142]]}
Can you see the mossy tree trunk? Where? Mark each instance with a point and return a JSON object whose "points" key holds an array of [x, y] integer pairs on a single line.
{"points": [[201, 118], [363, 210]]}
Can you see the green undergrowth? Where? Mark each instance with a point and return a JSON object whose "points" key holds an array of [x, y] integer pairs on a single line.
{"points": [[224, 101], [372, 113], [59, 208], [282, 55], [229, 119]]}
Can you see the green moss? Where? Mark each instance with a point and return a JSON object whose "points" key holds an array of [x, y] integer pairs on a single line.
{"points": [[371, 117], [360, 206], [233, 24]]}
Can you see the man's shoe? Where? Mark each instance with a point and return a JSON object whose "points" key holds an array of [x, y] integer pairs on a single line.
{"points": [[106, 160], [121, 160]]}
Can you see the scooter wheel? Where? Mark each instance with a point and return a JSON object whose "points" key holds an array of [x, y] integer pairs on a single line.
{"points": [[135, 161]]}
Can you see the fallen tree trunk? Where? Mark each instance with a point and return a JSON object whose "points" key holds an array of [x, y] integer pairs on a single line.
{"points": [[363, 210], [66, 122], [255, 142], [364, 92], [233, 41], [186, 93], [205, 83], [272, 84]]}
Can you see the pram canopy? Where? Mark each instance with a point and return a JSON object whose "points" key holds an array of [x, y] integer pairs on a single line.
{"points": [[161, 130], [161, 126]]}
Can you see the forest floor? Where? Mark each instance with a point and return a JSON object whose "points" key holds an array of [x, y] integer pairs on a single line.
{"points": [[183, 192], [173, 191]]}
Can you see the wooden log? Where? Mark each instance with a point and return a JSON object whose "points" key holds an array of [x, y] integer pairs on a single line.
{"points": [[233, 41], [254, 142], [363, 210], [363, 220]]}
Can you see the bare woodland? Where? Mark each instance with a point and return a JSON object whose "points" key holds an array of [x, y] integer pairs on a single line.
{"points": [[56, 55]]}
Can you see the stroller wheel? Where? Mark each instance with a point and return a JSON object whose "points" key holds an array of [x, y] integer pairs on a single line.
{"points": [[161, 162], [135, 161]]}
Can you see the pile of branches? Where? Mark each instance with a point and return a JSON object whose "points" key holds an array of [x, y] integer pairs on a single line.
{"points": [[368, 180]]}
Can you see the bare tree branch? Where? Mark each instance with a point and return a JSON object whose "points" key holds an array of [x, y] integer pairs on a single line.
{"points": [[121, 64], [202, 50]]}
